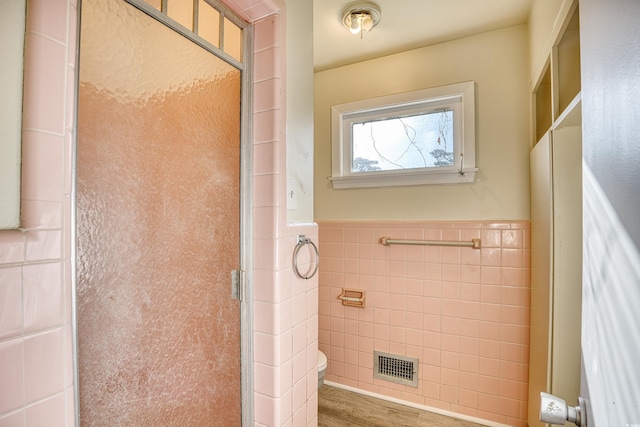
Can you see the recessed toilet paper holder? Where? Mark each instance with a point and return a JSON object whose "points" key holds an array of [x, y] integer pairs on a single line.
{"points": [[352, 297], [554, 410]]}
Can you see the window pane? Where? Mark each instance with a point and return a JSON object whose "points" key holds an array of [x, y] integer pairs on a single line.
{"points": [[155, 3], [209, 23], [181, 11], [419, 141], [232, 39]]}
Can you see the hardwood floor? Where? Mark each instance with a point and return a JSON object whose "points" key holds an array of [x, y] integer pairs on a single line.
{"points": [[342, 408]]}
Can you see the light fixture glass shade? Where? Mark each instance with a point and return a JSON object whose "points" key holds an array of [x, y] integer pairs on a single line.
{"points": [[359, 17]]}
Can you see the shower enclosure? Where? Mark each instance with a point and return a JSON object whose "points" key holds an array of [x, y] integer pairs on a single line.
{"points": [[158, 224]]}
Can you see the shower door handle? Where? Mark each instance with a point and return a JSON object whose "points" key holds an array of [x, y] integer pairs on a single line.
{"points": [[237, 285]]}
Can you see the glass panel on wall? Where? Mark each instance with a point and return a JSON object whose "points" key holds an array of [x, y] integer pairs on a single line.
{"points": [[232, 39], [209, 23], [420, 141], [181, 11], [155, 3], [207, 19]]}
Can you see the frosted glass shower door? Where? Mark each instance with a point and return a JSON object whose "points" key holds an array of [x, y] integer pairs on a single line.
{"points": [[158, 202]]}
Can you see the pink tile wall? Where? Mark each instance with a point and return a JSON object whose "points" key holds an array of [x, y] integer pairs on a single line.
{"points": [[464, 313], [286, 307], [36, 379], [35, 269]]}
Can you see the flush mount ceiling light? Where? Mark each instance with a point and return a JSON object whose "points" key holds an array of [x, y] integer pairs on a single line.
{"points": [[360, 17]]}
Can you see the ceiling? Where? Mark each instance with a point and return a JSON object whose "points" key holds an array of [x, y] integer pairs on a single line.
{"points": [[405, 25]]}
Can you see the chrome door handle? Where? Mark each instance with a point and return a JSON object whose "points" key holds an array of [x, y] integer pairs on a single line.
{"points": [[554, 410]]}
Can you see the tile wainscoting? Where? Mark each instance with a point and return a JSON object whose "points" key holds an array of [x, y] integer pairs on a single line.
{"points": [[463, 312], [36, 361]]}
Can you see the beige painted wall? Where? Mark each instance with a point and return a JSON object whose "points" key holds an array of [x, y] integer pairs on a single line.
{"points": [[498, 62], [541, 23]]}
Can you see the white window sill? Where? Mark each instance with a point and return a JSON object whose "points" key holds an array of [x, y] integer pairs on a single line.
{"points": [[404, 178]]}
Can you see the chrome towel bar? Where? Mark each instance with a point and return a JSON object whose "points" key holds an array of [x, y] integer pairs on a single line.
{"points": [[388, 241]]}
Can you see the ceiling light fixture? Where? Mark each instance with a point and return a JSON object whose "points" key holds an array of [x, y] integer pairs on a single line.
{"points": [[360, 17]]}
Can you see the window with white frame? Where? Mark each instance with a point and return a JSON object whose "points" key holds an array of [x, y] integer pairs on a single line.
{"points": [[420, 137]]}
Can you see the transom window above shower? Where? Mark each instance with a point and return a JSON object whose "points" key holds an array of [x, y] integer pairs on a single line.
{"points": [[208, 22], [420, 137]]}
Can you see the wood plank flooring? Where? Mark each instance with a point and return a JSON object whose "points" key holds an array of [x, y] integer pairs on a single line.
{"points": [[341, 408]]}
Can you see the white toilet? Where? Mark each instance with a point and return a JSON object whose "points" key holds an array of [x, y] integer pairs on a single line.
{"points": [[322, 366]]}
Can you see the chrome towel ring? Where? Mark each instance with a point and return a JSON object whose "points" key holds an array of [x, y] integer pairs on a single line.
{"points": [[302, 241]]}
